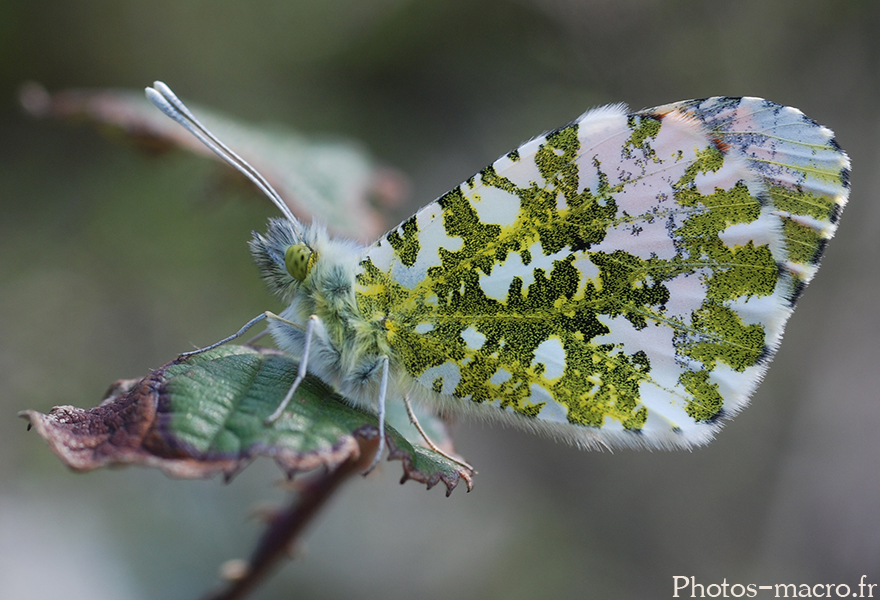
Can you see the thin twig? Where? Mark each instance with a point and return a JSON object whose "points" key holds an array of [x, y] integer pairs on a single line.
{"points": [[279, 537]]}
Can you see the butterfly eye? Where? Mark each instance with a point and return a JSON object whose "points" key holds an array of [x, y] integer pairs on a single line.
{"points": [[298, 261]]}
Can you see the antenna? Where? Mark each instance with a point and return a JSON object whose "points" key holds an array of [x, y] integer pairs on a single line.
{"points": [[166, 101]]}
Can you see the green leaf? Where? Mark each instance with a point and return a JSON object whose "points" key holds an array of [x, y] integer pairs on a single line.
{"points": [[204, 415]]}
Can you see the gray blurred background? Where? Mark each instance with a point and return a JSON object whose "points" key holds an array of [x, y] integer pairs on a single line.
{"points": [[112, 262]]}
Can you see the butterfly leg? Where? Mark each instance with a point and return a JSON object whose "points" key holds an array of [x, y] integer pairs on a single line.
{"points": [[383, 391], [429, 441], [301, 372], [240, 332], [257, 337]]}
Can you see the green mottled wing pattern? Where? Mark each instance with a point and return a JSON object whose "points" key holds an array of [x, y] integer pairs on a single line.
{"points": [[623, 280]]}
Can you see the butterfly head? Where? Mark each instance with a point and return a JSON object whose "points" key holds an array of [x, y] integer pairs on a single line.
{"points": [[285, 258], [298, 260]]}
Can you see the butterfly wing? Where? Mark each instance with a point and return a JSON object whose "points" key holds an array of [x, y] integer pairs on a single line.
{"points": [[623, 280]]}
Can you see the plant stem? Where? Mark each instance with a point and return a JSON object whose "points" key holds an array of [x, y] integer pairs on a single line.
{"points": [[284, 528]]}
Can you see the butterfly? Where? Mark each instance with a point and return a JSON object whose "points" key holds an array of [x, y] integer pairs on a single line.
{"points": [[623, 280]]}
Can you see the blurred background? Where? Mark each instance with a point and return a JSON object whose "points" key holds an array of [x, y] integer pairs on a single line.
{"points": [[113, 261]]}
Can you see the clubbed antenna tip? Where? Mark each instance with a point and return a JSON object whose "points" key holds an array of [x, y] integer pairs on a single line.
{"points": [[166, 101]]}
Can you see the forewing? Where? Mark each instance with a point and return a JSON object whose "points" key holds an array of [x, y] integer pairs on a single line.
{"points": [[623, 280]]}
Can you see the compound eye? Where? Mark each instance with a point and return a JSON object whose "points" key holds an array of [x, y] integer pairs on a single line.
{"points": [[298, 261]]}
